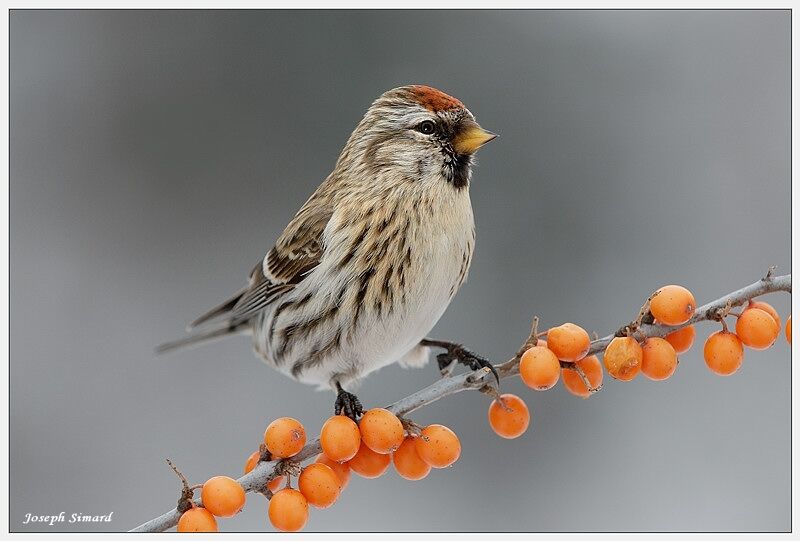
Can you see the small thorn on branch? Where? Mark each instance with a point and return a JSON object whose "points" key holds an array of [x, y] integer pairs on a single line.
{"points": [[770, 273]]}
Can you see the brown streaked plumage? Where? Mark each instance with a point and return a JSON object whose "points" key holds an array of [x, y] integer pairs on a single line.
{"points": [[369, 263]]}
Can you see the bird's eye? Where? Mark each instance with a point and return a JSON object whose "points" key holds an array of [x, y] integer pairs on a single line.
{"points": [[427, 127]]}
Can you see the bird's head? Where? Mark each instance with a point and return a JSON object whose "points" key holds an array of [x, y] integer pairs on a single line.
{"points": [[417, 134]]}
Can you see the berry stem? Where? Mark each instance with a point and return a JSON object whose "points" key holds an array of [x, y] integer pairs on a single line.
{"points": [[411, 428]]}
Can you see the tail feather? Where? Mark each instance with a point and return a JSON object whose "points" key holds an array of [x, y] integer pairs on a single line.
{"points": [[200, 338], [218, 311]]}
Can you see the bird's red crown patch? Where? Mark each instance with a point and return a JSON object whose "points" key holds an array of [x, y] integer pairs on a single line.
{"points": [[434, 100]]}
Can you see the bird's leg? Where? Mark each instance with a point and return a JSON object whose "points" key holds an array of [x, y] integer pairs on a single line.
{"points": [[456, 353], [347, 403]]}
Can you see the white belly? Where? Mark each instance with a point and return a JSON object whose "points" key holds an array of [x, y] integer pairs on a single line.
{"points": [[388, 338]]}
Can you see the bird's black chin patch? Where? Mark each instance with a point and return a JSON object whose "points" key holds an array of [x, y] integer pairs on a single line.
{"points": [[457, 169], [461, 170]]}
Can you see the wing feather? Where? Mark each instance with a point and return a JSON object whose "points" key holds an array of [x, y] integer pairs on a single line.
{"points": [[296, 253]]}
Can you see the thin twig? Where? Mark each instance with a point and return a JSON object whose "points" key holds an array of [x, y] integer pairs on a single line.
{"points": [[533, 338], [265, 471], [187, 492]]}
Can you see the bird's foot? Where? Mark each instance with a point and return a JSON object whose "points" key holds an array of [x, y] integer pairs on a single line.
{"points": [[456, 353], [347, 403]]}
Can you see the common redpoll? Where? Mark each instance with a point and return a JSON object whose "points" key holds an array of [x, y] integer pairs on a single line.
{"points": [[370, 262]]}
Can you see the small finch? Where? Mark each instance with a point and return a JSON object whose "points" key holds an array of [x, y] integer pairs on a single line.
{"points": [[370, 262]]}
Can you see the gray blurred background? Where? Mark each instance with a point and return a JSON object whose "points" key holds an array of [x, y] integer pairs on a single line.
{"points": [[156, 156]]}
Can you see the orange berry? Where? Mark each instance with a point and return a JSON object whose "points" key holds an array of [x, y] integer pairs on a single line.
{"points": [[252, 462], [408, 463], [723, 353], [789, 330], [659, 359], [319, 484], [510, 418], [285, 437], [592, 370], [222, 496], [623, 358], [197, 519], [340, 438], [757, 329], [275, 484], [438, 446], [682, 339], [288, 510], [568, 341], [539, 368], [673, 305], [342, 470], [381, 430], [369, 464], [767, 308]]}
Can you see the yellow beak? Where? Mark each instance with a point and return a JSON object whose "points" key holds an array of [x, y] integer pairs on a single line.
{"points": [[471, 137]]}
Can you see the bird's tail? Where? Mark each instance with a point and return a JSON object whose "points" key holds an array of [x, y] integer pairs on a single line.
{"points": [[200, 338]]}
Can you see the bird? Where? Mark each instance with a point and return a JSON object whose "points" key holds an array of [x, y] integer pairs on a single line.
{"points": [[370, 262]]}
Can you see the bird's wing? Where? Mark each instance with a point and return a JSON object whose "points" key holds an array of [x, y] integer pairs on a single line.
{"points": [[296, 253]]}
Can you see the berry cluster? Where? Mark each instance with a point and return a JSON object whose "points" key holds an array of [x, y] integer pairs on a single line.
{"points": [[757, 327], [380, 437], [366, 448], [564, 352]]}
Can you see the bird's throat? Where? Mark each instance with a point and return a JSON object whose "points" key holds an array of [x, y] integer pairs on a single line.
{"points": [[457, 170]]}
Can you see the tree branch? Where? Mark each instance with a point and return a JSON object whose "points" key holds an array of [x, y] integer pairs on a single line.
{"points": [[257, 479]]}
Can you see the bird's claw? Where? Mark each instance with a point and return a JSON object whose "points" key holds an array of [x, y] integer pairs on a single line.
{"points": [[446, 364], [349, 404], [457, 353]]}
